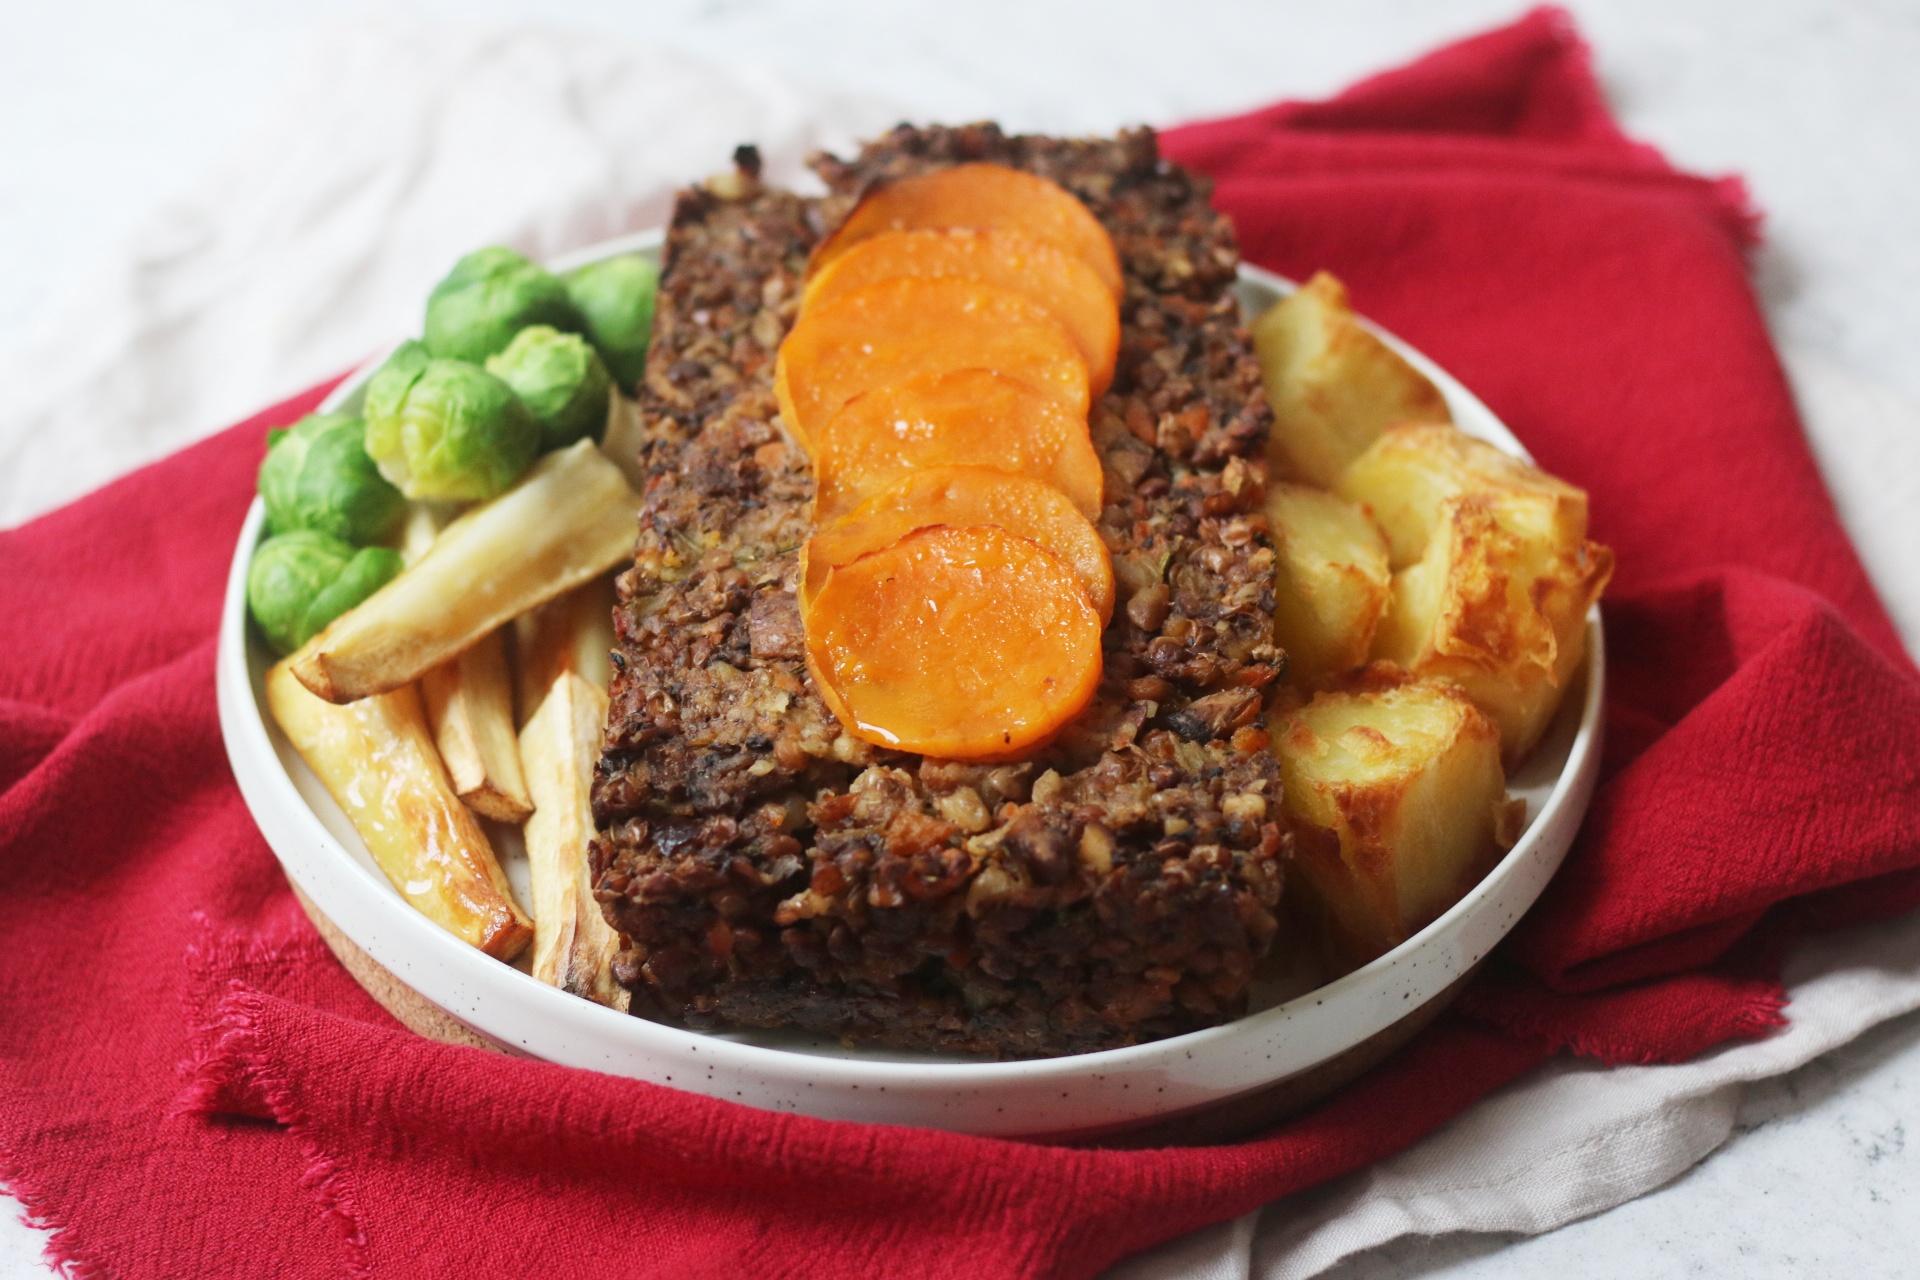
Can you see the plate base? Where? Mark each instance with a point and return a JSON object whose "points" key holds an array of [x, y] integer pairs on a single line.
{"points": [[415, 1012], [1227, 1121], [1246, 1115]]}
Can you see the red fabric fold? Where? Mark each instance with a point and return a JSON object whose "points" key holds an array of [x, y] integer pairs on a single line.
{"points": [[190, 1085], [1532, 79], [655, 1183], [1788, 762]]}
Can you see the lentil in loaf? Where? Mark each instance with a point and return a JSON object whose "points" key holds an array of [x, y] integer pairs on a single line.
{"points": [[767, 869]]}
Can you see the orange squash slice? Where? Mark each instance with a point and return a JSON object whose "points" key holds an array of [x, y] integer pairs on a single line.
{"points": [[888, 333], [981, 196], [967, 644], [970, 417], [1070, 290], [962, 496]]}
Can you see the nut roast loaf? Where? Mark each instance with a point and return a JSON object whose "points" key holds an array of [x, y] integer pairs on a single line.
{"points": [[766, 869]]}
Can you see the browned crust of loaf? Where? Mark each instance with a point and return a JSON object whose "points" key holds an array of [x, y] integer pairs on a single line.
{"points": [[767, 869]]}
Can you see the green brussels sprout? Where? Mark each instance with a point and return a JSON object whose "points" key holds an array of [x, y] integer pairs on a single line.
{"points": [[490, 295], [318, 476], [300, 581], [615, 295], [370, 569], [560, 379], [388, 387], [452, 433]]}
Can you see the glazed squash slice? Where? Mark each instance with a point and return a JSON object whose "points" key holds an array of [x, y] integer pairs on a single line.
{"points": [[961, 496], [966, 643], [889, 333], [969, 417], [1038, 270], [981, 196]]}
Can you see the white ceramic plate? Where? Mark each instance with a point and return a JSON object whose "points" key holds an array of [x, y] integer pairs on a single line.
{"points": [[1293, 1040]]}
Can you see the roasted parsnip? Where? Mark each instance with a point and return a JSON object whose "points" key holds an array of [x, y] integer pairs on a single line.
{"points": [[378, 761], [568, 521], [422, 528], [573, 632], [469, 703], [623, 437], [573, 946]]}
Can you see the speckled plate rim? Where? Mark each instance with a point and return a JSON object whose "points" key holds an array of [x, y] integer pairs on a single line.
{"points": [[1083, 1093]]}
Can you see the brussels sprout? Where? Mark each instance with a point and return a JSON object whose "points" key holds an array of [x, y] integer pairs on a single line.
{"points": [[615, 296], [388, 387], [561, 381], [454, 432], [300, 581], [490, 295], [370, 569], [318, 476]]}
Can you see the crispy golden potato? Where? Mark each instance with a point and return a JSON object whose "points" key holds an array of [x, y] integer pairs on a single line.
{"points": [[1500, 612], [1410, 472], [1331, 584], [573, 945], [378, 761], [573, 632], [469, 702], [569, 520], [1494, 572], [1333, 385], [1398, 803]]}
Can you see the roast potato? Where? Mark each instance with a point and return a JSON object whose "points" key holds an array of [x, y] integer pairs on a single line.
{"points": [[1494, 572], [1500, 613], [1333, 385], [1398, 803], [1407, 475], [1331, 584]]}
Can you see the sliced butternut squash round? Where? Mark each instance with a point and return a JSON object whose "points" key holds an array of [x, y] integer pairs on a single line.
{"points": [[961, 496], [964, 644], [889, 333], [969, 417], [981, 196], [1043, 272]]}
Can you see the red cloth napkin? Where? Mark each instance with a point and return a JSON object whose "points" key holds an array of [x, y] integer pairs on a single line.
{"points": [[190, 1085]]}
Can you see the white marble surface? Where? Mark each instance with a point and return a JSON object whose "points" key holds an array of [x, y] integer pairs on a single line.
{"points": [[111, 105], [1821, 1179]]}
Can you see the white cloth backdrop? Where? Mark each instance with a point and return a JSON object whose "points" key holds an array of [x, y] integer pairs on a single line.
{"points": [[397, 146]]}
